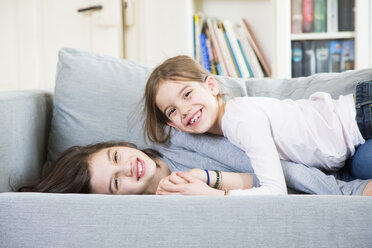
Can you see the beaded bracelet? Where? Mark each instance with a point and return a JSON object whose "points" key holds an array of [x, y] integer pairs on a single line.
{"points": [[217, 180], [227, 192], [206, 171], [220, 184]]}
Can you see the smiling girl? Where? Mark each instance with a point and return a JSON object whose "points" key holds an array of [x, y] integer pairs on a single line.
{"points": [[319, 132]]}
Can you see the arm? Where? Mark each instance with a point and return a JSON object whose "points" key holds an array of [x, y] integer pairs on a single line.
{"points": [[230, 180], [249, 129], [194, 182]]}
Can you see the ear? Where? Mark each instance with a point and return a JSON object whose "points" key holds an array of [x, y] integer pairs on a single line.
{"points": [[212, 85]]}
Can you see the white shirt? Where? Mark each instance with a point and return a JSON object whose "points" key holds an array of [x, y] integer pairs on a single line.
{"points": [[319, 132]]}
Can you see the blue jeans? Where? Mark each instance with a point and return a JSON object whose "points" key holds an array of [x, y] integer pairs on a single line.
{"points": [[363, 105], [360, 165]]}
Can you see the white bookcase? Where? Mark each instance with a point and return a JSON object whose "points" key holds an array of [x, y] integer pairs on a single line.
{"points": [[159, 29]]}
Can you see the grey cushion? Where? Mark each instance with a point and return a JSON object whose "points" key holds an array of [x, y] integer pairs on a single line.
{"points": [[96, 98]]}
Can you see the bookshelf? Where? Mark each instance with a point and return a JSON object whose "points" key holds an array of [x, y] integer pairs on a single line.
{"points": [[269, 19]]}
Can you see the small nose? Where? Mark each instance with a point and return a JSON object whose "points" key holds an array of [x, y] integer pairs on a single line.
{"points": [[128, 166], [185, 110]]}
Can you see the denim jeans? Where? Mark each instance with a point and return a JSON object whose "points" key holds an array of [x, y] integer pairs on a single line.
{"points": [[360, 165], [363, 106]]}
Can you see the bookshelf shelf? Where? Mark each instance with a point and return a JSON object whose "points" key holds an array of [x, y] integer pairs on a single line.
{"points": [[154, 37], [323, 36]]}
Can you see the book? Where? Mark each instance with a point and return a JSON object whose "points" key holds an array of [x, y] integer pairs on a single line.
{"points": [[309, 58], [220, 65], [346, 15], [334, 60], [251, 57], [254, 64], [296, 16], [230, 65], [320, 15], [308, 16], [197, 32], [347, 55], [204, 52], [245, 59], [321, 56], [332, 16], [235, 50], [256, 48], [212, 61], [297, 59]]}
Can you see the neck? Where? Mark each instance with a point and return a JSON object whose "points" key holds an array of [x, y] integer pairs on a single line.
{"points": [[217, 129]]}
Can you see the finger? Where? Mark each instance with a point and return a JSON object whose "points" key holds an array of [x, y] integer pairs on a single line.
{"points": [[174, 178], [173, 187], [186, 176]]}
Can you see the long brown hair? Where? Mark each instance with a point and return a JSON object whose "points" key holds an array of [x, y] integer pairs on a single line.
{"points": [[70, 173], [179, 68]]}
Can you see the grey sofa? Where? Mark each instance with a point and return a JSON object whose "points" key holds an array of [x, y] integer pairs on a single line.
{"points": [[91, 91]]}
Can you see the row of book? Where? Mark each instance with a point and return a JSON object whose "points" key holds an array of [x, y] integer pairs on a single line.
{"points": [[313, 56], [228, 49], [322, 16]]}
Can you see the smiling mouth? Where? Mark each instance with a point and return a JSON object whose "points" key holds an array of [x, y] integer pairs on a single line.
{"points": [[140, 169], [195, 119]]}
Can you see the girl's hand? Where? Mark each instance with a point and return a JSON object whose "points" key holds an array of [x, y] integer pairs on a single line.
{"points": [[191, 186]]}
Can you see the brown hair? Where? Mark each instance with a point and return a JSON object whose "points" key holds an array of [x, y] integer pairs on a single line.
{"points": [[179, 68], [70, 172]]}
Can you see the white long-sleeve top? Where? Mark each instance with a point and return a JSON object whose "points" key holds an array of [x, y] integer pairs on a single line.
{"points": [[319, 132]]}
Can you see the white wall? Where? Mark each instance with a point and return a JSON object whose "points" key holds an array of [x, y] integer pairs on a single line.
{"points": [[33, 31]]}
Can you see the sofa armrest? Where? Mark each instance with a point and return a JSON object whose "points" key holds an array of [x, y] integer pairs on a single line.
{"points": [[25, 118]]}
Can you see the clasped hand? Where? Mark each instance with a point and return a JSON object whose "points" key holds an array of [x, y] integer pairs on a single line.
{"points": [[184, 183]]}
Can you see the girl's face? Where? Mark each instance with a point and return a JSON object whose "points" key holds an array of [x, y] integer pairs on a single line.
{"points": [[124, 170], [191, 107]]}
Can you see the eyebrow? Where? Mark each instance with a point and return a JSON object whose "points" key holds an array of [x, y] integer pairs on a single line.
{"points": [[179, 93], [109, 158]]}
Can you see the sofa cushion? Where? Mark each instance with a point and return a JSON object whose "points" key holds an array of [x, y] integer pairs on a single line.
{"points": [[97, 98]]}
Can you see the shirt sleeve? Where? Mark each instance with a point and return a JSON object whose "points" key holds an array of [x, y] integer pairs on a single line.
{"points": [[250, 130]]}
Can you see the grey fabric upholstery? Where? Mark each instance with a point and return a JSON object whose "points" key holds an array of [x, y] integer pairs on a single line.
{"points": [[70, 220], [25, 124]]}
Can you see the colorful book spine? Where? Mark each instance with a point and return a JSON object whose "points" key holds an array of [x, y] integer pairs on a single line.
{"points": [[204, 52], [226, 52], [347, 55], [245, 59], [334, 59], [346, 15], [239, 60], [248, 51], [296, 16], [308, 16], [332, 16], [321, 54], [320, 15], [309, 64], [220, 65], [297, 59]]}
